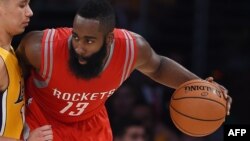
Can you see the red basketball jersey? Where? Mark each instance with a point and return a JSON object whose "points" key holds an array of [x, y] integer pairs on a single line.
{"points": [[61, 95]]}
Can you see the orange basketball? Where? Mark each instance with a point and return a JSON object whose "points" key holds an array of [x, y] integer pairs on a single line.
{"points": [[198, 108]]}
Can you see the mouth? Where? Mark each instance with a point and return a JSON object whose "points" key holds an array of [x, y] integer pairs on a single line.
{"points": [[81, 60], [25, 23]]}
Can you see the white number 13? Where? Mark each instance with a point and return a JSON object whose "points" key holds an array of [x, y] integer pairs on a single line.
{"points": [[80, 107]]}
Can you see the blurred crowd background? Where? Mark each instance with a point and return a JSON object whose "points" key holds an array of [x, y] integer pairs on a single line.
{"points": [[209, 37]]}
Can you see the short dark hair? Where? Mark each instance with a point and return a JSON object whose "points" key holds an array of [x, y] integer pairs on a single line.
{"points": [[100, 10]]}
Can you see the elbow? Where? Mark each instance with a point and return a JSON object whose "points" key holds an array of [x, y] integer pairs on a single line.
{"points": [[156, 72]]}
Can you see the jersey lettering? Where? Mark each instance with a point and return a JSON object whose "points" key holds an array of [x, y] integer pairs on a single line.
{"points": [[80, 107], [66, 96]]}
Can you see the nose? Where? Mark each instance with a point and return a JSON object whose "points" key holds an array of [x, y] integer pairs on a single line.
{"points": [[28, 12], [80, 50]]}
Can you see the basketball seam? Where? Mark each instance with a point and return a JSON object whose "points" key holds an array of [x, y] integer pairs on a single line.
{"points": [[199, 98], [187, 132], [194, 117]]}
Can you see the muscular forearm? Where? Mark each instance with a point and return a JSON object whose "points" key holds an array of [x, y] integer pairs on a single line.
{"points": [[171, 74]]}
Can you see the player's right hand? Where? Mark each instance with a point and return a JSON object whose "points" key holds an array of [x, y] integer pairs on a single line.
{"points": [[43, 133]]}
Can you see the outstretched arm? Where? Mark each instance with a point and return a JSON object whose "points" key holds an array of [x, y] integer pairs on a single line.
{"points": [[165, 70], [29, 52]]}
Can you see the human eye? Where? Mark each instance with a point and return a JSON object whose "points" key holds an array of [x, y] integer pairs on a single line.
{"points": [[89, 41], [22, 4], [75, 37]]}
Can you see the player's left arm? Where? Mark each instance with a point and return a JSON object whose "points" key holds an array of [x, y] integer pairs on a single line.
{"points": [[165, 70]]}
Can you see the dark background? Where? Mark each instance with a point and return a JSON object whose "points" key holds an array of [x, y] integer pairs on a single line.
{"points": [[209, 37]]}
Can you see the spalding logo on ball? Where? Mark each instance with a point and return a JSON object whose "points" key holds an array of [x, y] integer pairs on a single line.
{"points": [[198, 108]]}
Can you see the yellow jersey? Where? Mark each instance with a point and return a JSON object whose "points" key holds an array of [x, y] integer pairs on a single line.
{"points": [[12, 99]]}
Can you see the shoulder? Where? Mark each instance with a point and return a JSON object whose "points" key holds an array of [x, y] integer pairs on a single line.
{"points": [[144, 49], [29, 49], [141, 43], [32, 39], [31, 42], [33, 36]]}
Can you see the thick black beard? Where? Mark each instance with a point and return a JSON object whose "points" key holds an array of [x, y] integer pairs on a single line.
{"points": [[92, 68]]}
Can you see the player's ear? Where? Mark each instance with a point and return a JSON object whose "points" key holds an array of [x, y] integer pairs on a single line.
{"points": [[109, 38]]}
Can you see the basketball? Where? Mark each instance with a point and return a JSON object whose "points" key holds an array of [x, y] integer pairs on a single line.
{"points": [[198, 108]]}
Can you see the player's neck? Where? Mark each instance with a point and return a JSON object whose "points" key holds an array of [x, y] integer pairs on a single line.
{"points": [[6, 47], [5, 41], [105, 61], [106, 57]]}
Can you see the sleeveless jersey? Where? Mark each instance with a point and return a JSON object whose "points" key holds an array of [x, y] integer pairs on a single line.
{"points": [[61, 95], [12, 99]]}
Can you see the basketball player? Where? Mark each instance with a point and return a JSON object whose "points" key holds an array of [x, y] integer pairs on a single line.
{"points": [[14, 17], [73, 71]]}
